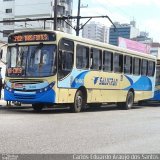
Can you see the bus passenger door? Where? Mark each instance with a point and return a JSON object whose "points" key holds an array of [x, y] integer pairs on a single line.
{"points": [[65, 66]]}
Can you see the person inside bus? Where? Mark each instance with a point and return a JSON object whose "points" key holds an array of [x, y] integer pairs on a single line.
{"points": [[46, 62], [42, 64]]}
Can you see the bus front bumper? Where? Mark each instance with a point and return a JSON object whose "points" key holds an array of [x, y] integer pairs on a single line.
{"points": [[30, 97]]}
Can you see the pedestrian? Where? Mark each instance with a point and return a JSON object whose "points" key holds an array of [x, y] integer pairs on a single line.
{"points": [[1, 84]]}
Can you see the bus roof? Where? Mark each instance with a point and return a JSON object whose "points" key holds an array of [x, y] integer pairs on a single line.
{"points": [[92, 42]]}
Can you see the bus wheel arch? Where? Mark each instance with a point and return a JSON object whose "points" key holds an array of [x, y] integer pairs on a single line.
{"points": [[80, 100]]}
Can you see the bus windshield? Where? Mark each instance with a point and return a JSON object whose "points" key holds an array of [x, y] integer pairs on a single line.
{"points": [[31, 61]]}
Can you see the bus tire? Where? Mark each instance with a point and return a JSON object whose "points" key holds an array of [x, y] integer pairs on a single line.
{"points": [[37, 107], [129, 101], [79, 102]]}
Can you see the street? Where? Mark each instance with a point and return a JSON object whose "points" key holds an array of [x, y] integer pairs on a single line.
{"points": [[104, 130]]}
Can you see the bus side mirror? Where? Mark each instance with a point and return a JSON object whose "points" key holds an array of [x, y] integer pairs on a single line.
{"points": [[3, 52]]}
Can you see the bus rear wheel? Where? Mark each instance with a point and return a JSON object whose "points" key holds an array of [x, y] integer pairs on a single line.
{"points": [[79, 102], [129, 101], [37, 107]]}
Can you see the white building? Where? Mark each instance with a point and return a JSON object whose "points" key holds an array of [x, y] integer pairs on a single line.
{"points": [[7, 12], [155, 50], [3, 48], [24, 9], [95, 31]]}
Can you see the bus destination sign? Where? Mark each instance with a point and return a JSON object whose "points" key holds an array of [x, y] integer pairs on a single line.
{"points": [[31, 37]]}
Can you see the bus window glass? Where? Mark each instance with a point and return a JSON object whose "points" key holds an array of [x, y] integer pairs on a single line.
{"points": [[107, 61], [157, 75], [65, 60], [96, 59], [41, 61], [66, 45], [151, 68], [136, 66], [118, 62], [128, 65], [31, 61], [82, 57], [13, 56], [144, 67]]}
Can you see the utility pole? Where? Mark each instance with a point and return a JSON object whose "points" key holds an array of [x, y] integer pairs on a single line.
{"points": [[55, 15], [78, 18]]}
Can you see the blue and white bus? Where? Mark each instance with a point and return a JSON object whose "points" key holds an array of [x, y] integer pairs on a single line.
{"points": [[157, 83], [45, 68]]}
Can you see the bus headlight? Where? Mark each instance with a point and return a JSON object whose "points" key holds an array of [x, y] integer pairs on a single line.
{"points": [[46, 88], [8, 88]]}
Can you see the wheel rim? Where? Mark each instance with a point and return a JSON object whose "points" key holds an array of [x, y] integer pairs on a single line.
{"points": [[79, 101], [130, 100]]}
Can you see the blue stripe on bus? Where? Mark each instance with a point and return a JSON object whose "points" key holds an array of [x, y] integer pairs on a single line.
{"points": [[130, 80], [79, 80], [156, 95], [143, 83]]}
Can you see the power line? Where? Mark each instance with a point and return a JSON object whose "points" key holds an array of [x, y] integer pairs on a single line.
{"points": [[77, 28]]}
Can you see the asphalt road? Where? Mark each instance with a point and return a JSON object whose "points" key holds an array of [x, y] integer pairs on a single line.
{"points": [[105, 130]]}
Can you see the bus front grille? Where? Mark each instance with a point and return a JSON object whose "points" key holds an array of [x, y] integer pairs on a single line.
{"points": [[17, 96], [29, 81]]}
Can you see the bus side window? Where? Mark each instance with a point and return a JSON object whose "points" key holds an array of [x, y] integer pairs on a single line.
{"points": [[118, 62], [144, 67], [136, 66], [65, 58], [151, 68], [96, 59], [82, 57], [107, 61], [128, 65], [157, 75]]}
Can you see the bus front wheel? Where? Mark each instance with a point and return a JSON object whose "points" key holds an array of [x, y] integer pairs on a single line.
{"points": [[37, 107], [79, 102]]}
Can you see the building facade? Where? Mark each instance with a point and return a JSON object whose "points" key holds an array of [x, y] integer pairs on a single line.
{"points": [[7, 13], [155, 50], [128, 31], [24, 9], [143, 38], [95, 31], [3, 48]]}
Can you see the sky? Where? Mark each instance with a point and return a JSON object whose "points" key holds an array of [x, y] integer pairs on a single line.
{"points": [[146, 13]]}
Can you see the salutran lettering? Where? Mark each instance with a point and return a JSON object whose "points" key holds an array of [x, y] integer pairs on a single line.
{"points": [[106, 81]]}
